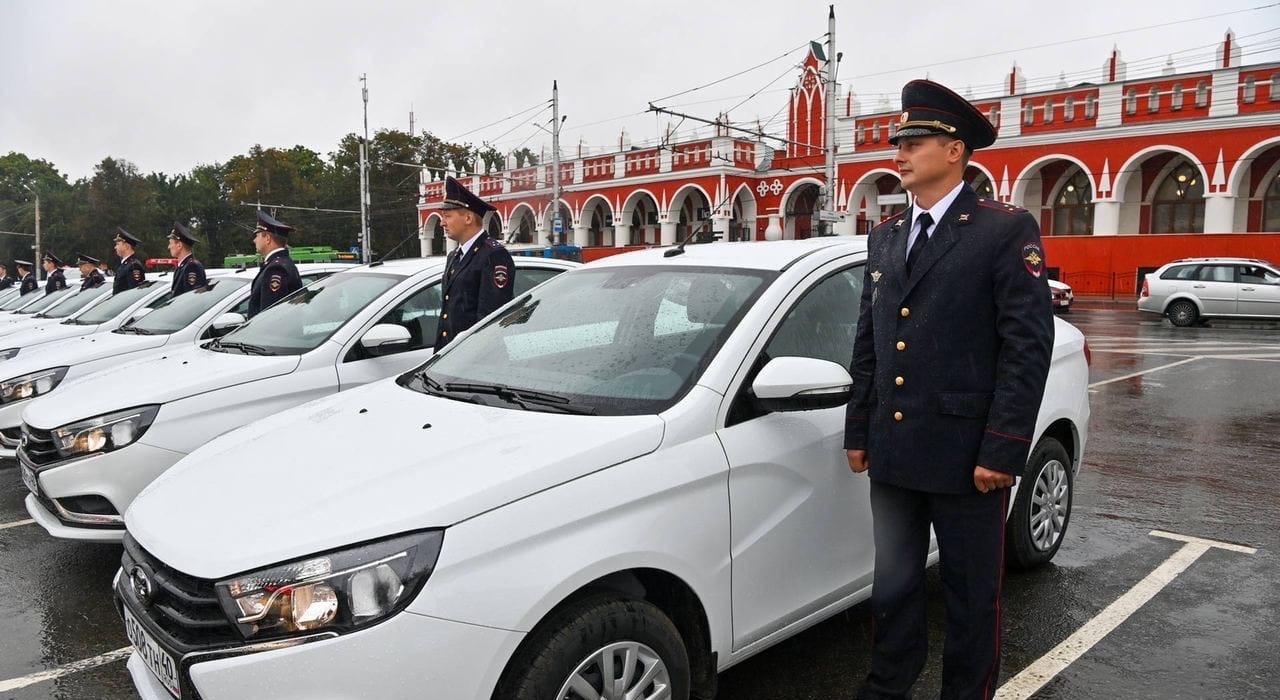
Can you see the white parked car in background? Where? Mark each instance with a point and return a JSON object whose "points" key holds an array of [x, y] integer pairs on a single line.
{"points": [[178, 322], [1192, 289], [107, 313], [88, 449], [625, 481], [1061, 295]]}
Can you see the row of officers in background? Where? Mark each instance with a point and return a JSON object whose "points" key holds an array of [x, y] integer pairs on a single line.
{"points": [[276, 278]]}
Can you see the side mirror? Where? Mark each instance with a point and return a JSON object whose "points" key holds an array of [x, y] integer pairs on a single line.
{"points": [[801, 384], [226, 323], [386, 339]]}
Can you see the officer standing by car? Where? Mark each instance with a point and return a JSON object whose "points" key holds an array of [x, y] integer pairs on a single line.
{"points": [[479, 275], [189, 274], [89, 275], [949, 367], [130, 272], [55, 280], [29, 283], [278, 276], [6, 280]]}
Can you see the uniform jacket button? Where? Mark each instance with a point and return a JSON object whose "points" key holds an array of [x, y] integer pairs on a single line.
{"points": [[898, 380], [444, 316], [444, 333], [905, 312], [897, 415], [902, 345]]}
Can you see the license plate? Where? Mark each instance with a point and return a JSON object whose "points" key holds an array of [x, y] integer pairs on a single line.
{"points": [[157, 659], [29, 479]]}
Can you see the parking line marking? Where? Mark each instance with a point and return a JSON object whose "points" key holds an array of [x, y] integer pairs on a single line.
{"points": [[1042, 670], [65, 669], [16, 523], [1145, 371]]}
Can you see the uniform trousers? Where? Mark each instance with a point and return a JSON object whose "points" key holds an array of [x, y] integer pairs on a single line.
{"points": [[970, 532]]}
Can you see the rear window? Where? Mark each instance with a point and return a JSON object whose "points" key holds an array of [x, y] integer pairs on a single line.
{"points": [[1180, 272]]}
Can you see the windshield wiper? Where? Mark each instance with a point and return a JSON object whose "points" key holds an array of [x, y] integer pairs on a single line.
{"points": [[523, 397], [245, 348], [134, 330]]}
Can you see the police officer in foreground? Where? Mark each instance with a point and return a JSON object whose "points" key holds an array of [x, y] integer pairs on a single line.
{"points": [[278, 277], [189, 274], [949, 367], [479, 275], [89, 275], [55, 279], [6, 280], [130, 272], [29, 283]]}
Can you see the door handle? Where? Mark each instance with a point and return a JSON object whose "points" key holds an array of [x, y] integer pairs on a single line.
{"points": [[1197, 286], [1246, 289]]}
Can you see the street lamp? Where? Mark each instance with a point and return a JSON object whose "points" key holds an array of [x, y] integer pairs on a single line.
{"points": [[36, 262]]}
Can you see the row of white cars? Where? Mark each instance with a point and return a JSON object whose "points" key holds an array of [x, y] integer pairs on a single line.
{"points": [[625, 481]]}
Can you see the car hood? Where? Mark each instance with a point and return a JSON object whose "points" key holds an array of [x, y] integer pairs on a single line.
{"points": [[366, 463], [177, 374], [43, 333], [73, 351], [25, 323]]}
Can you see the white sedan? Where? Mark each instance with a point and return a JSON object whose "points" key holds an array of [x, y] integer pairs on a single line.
{"points": [[620, 484], [91, 446]]}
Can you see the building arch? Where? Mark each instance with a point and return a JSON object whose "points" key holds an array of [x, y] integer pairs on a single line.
{"points": [[1253, 209], [640, 214], [980, 180], [691, 212], [431, 236], [522, 225], [800, 202], [1236, 186], [743, 213], [1030, 180], [597, 216], [492, 223], [865, 203], [1133, 196]]}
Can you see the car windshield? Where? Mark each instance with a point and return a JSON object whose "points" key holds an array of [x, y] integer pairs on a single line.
{"points": [[20, 300], [112, 307], [305, 319], [78, 301], [47, 300], [180, 311], [614, 341]]}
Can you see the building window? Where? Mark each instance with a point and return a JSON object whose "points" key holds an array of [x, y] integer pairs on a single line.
{"points": [[1069, 109], [1073, 208], [860, 134], [1130, 101], [1250, 90], [1176, 100], [1048, 111], [1202, 95], [1275, 87], [1090, 107], [1153, 100], [993, 114], [1029, 114], [1178, 204], [875, 132]]}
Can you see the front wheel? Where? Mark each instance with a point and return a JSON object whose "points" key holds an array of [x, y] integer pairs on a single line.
{"points": [[1042, 507], [600, 647]]}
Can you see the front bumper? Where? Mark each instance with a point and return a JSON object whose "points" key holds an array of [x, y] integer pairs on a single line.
{"points": [[407, 656], [118, 477]]}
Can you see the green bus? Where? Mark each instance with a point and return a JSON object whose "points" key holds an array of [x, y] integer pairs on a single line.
{"points": [[300, 254]]}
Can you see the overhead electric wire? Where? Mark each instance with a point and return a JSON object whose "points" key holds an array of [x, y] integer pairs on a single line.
{"points": [[542, 104], [730, 77]]}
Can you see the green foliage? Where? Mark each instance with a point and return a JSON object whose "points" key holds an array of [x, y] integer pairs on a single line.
{"points": [[81, 216]]}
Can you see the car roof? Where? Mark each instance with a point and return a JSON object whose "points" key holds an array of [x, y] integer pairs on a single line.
{"points": [[755, 255], [1219, 260]]}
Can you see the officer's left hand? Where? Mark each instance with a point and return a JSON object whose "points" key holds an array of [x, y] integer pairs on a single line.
{"points": [[988, 480]]}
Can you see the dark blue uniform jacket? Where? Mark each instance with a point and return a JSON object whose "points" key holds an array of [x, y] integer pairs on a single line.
{"points": [[188, 275], [277, 279], [481, 281], [57, 280], [950, 362], [129, 274]]}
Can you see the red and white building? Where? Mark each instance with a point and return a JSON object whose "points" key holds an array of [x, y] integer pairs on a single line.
{"points": [[1124, 174]]}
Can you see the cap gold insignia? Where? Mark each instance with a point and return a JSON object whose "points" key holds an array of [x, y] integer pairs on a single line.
{"points": [[875, 276], [964, 218], [904, 118]]}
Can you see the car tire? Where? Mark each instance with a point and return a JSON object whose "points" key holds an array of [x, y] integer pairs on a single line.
{"points": [[1042, 507], [1182, 313], [635, 637]]}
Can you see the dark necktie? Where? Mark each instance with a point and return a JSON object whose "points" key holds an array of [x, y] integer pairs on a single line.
{"points": [[921, 239], [453, 262]]}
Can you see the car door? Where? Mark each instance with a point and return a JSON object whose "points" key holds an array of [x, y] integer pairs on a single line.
{"points": [[1259, 293], [1215, 287], [800, 519]]}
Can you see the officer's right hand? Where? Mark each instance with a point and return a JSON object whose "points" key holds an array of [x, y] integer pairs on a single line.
{"points": [[858, 461]]}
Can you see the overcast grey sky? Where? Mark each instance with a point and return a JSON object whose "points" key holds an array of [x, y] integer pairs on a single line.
{"points": [[172, 84]]}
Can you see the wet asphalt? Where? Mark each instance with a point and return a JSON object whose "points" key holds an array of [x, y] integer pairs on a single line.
{"points": [[1192, 449]]}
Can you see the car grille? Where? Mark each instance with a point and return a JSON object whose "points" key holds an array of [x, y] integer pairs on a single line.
{"points": [[10, 437], [185, 608], [38, 446]]}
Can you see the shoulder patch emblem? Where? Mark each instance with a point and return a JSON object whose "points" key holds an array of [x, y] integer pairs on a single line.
{"points": [[1033, 259], [137, 275], [191, 278], [276, 283], [501, 276]]}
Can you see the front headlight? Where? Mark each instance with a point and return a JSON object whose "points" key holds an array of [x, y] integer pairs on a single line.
{"points": [[9, 354], [339, 591], [104, 433], [31, 385]]}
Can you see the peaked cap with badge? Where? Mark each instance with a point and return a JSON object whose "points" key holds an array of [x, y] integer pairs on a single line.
{"points": [[94, 278], [190, 273], [123, 236], [267, 222], [457, 196], [50, 257], [57, 280], [930, 109], [180, 233]]}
